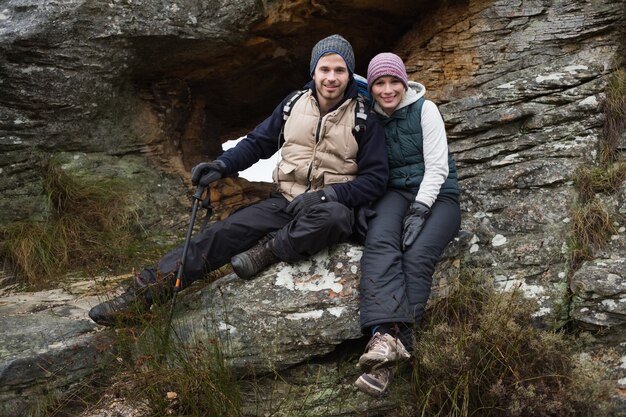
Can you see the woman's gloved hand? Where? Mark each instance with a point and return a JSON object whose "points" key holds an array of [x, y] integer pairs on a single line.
{"points": [[413, 222]]}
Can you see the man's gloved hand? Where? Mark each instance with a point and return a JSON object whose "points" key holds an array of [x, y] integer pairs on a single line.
{"points": [[413, 222], [305, 200], [206, 172]]}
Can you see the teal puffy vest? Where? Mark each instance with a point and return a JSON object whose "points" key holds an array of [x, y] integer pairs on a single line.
{"points": [[405, 150]]}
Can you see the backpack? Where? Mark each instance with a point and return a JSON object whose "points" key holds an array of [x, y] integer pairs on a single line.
{"points": [[363, 100]]}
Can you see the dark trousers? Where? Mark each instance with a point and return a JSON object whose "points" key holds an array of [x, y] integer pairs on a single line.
{"points": [[395, 285], [295, 238]]}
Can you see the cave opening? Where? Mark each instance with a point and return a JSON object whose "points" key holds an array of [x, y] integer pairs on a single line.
{"points": [[206, 92]]}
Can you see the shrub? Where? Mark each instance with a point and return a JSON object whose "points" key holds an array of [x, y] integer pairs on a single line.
{"points": [[479, 355]]}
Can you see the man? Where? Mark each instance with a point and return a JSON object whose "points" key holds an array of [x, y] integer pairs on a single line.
{"points": [[326, 172]]}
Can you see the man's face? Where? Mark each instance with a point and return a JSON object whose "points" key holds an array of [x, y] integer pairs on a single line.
{"points": [[331, 78]]}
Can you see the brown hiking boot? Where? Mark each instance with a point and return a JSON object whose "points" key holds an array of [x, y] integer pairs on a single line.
{"points": [[247, 264], [383, 351], [137, 299]]}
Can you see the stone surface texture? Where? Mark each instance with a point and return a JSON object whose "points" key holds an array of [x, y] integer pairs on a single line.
{"points": [[145, 90]]}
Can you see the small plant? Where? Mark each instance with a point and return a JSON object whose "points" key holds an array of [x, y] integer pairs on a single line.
{"points": [[615, 121], [177, 379], [479, 355], [610, 172], [599, 179], [88, 224], [591, 227]]}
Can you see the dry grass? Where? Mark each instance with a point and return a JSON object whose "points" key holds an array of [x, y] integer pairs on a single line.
{"points": [[615, 121], [177, 379], [606, 179], [89, 224], [591, 227], [479, 355], [592, 224]]}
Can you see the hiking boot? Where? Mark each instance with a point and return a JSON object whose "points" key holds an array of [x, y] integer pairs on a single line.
{"points": [[137, 299], [376, 382], [247, 264], [382, 351]]}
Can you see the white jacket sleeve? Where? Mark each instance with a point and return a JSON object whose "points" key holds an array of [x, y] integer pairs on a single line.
{"points": [[435, 154]]}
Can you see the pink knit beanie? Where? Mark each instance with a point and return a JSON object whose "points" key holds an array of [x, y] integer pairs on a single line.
{"points": [[386, 63]]}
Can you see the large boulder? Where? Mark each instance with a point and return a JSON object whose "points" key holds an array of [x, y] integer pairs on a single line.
{"points": [[49, 346], [286, 317]]}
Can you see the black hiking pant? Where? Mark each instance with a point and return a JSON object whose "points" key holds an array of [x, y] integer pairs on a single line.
{"points": [[296, 238], [395, 285]]}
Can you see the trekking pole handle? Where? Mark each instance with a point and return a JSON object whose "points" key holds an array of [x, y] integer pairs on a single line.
{"points": [[199, 191]]}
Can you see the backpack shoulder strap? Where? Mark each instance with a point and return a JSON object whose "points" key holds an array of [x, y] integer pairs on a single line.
{"points": [[360, 113], [361, 84], [287, 108], [291, 101], [360, 116], [364, 100]]}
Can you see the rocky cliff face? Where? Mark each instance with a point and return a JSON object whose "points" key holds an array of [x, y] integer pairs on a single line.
{"points": [[521, 86], [168, 81], [117, 85]]}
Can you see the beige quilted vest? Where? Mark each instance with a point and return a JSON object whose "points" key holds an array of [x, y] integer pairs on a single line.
{"points": [[318, 151]]}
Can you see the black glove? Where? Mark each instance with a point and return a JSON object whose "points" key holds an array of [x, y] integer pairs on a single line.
{"points": [[205, 173], [304, 201], [413, 222]]}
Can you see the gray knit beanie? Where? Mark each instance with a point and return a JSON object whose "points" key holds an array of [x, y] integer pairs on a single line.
{"points": [[333, 44]]}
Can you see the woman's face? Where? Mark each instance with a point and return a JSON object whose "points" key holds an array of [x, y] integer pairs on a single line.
{"points": [[388, 92]]}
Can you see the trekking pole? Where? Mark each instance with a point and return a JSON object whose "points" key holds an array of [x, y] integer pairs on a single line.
{"points": [[179, 277]]}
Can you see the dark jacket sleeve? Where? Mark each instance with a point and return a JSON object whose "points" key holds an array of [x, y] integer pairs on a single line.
{"points": [[371, 180], [260, 143]]}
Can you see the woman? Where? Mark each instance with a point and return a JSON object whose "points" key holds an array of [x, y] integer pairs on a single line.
{"points": [[415, 220]]}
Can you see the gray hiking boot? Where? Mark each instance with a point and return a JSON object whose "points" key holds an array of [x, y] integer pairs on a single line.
{"points": [[247, 264], [383, 351], [137, 299], [376, 382]]}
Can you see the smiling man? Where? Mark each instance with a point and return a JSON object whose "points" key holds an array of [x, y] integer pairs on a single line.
{"points": [[327, 172], [331, 77]]}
